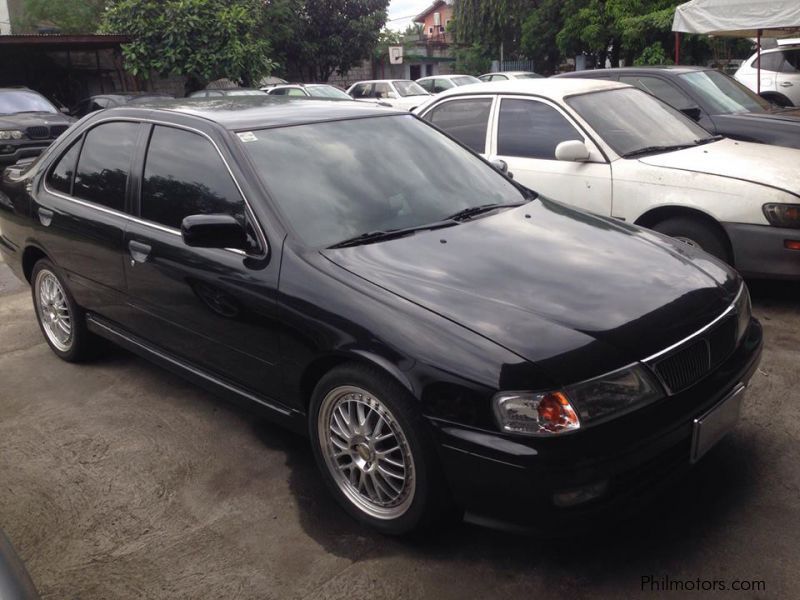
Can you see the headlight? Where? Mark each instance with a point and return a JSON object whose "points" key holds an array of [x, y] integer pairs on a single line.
{"points": [[532, 413], [585, 403], [8, 134], [782, 215], [744, 310], [614, 393]]}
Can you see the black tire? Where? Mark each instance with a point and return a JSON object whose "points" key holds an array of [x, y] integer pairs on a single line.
{"points": [[427, 499], [81, 342], [696, 233]]}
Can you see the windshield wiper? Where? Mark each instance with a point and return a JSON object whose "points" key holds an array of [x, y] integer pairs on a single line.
{"points": [[654, 149], [388, 234], [472, 211], [708, 140]]}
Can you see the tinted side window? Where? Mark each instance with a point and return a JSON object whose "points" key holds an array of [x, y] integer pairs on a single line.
{"points": [[426, 84], [60, 178], [663, 90], [279, 92], [184, 175], [791, 61], [532, 129], [296, 92], [770, 61], [382, 90], [362, 90], [466, 120], [104, 163]]}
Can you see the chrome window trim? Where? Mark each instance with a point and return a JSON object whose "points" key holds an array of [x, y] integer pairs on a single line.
{"points": [[699, 332], [259, 232]]}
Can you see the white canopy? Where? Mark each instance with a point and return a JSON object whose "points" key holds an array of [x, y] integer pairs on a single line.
{"points": [[739, 18]]}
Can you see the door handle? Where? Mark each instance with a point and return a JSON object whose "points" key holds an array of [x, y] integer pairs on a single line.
{"points": [[139, 252], [45, 216], [786, 84]]}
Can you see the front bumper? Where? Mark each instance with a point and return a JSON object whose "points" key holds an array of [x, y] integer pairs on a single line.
{"points": [[20, 150], [759, 251], [512, 481]]}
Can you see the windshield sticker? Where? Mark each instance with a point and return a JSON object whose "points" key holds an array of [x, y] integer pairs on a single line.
{"points": [[247, 136]]}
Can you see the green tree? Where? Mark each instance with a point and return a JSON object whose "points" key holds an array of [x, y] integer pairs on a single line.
{"points": [[316, 38], [539, 31], [491, 23], [201, 39], [70, 16]]}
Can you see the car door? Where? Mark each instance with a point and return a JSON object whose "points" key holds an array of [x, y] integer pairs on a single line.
{"points": [[788, 78], [466, 119], [212, 308], [80, 211], [526, 132]]}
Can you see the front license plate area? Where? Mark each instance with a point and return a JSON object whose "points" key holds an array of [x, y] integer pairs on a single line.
{"points": [[712, 426]]}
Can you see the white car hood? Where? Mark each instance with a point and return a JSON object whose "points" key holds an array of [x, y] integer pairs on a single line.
{"points": [[774, 166]]}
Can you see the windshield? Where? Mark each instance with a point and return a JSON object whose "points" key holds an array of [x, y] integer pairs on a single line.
{"points": [[409, 88], [630, 120], [337, 180], [327, 91], [465, 80], [12, 102], [528, 76], [243, 92], [724, 95]]}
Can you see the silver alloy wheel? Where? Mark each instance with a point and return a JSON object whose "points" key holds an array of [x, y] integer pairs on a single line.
{"points": [[53, 310], [366, 452]]}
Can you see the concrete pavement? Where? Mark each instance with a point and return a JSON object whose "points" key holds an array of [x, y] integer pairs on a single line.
{"points": [[119, 480]]}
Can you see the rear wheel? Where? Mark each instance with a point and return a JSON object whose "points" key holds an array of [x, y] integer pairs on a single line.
{"points": [[374, 450], [60, 319], [696, 233]]}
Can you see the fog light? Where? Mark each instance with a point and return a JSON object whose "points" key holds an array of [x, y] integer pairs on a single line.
{"points": [[791, 244], [6, 149], [581, 495]]}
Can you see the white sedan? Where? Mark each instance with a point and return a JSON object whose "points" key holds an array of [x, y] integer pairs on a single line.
{"points": [[617, 151], [399, 93]]}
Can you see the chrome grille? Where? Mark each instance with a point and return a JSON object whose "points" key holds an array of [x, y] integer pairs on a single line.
{"points": [[38, 132], [688, 364]]}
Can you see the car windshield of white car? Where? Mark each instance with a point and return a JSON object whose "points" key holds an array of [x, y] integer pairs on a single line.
{"points": [[16, 102], [633, 122], [334, 181], [326, 91], [409, 88], [722, 94]]}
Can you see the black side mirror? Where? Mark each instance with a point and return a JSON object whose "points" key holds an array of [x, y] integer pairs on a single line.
{"points": [[693, 113], [213, 231]]}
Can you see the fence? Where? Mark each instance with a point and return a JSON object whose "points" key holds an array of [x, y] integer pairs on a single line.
{"points": [[512, 65]]}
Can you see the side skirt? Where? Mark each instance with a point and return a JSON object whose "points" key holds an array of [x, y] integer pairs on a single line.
{"points": [[290, 418]]}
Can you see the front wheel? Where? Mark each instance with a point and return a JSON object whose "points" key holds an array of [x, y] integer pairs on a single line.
{"points": [[60, 319], [374, 450], [696, 233]]}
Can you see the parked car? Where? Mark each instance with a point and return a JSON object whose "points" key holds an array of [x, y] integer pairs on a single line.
{"points": [[28, 124], [719, 103], [218, 93], [617, 151], [780, 74], [506, 75], [399, 93], [316, 90], [443, 335], [84, 107], [439, 83]]}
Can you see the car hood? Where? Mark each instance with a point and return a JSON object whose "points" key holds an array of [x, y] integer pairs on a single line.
{"points": [[773, 166], [575, 293], [21, 121]]}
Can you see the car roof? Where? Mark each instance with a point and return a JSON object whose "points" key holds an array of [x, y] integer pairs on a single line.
{"points": [[550, 88], [677, 69], [257, 112]]}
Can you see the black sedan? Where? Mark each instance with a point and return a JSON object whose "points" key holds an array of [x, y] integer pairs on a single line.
{"points": [[102, 101], [446, 339], [716, 101]]}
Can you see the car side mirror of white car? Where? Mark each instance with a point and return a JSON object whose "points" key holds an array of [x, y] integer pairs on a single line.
{"points": [[572, 150]]}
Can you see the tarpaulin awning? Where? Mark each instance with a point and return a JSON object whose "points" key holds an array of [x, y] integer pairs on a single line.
{"points": [[738, 18]]}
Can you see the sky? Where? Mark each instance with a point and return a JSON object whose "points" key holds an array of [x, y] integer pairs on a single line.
{"points": [[408, 9]]}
